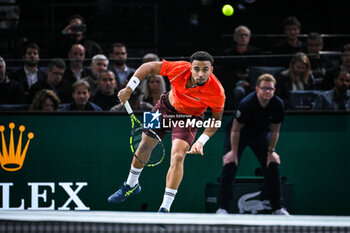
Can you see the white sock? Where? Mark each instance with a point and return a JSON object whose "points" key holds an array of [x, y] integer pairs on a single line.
{"points": [[169, 196], [133, 178]]}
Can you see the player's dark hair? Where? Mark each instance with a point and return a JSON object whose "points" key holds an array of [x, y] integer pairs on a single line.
{"points": [[202, 56]]}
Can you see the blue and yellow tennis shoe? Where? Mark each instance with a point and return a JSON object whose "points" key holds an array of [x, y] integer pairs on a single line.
{"points": [[163, 210], [123, 193]]}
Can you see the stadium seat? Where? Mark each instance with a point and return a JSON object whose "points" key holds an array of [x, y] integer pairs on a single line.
{"points": [[303, 99], [14, 107], [256, 71]]}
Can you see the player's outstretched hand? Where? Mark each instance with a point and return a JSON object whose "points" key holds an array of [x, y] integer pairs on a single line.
{"points": [[197, 148]]}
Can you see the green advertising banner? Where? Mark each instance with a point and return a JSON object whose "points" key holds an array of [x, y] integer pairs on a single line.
{"points": [[67, 161]]}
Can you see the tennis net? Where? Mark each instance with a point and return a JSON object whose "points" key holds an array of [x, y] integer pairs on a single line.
{"points": [[130, 222]]}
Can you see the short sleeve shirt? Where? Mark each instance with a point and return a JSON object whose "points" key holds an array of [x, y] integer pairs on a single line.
{"points": [[257, 119], [192, 101]]}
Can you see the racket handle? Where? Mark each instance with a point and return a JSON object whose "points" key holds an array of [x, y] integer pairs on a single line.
{"points": [[127, 107]]}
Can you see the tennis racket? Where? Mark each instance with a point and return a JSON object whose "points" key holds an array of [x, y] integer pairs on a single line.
{"points": [[157, 154]]}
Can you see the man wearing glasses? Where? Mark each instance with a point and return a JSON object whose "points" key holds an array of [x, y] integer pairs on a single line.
{"points": [[54, 81], [256, 124], [236, 74]]}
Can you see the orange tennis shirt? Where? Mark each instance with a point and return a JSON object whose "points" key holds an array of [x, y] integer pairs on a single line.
{"points": [[192, 101]]}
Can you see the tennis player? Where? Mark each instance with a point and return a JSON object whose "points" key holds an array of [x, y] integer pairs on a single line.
{"points": [[194, 89]]}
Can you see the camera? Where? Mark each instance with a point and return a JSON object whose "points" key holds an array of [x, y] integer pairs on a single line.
{"points": [[78, 28]]}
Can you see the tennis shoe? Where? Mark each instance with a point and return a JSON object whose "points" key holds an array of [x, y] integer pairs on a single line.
{"points": [[221, 211], [281, 211], [163, 210], [123, 193]]}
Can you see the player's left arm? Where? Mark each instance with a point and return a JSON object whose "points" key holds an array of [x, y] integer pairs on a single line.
{"points": [[197, 147], [272, 156]]}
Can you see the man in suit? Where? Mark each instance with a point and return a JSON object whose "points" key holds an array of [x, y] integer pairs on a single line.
{"points": [[118, 56], [30, 73]]}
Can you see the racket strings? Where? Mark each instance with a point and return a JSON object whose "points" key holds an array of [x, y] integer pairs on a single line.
{"points": [[157, 152]]}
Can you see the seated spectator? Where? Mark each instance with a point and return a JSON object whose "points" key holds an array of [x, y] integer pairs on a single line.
{"points": [[11, 92], [76, 70], [45, 100], [337, 98], [135, 103], [30, 73], [81, 96], [54, 82], [118, 56], [153, 88], [291, 44], [74, 33], [296, 77], [319, 63], [236, 77], [328, 80], [98, 64], [154, 57], [107, 95], [150, 57]]}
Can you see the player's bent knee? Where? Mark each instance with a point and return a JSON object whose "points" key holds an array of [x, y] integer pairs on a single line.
{"points": [[178, 158]]}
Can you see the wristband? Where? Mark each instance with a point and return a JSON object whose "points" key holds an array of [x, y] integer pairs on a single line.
{"points": [[64, 32], [133, 83], [203, 138]]}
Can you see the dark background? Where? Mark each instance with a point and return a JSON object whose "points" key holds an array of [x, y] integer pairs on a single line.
{"points": [[168, 28]]}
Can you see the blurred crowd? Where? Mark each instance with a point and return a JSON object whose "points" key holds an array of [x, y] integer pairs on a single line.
{"points": [[82, 77]]}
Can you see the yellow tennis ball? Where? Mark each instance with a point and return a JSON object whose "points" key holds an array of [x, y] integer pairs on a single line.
{"points": [[227, 10]]}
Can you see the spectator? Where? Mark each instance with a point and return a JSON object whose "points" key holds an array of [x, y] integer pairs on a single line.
{"points": [[73, 33], [291, 44], [339, 97], [54, 82], [30, 73], [328, 80], [154, 57], [150, 57], [76, 69], [319, 63], [45, 100], [11, 92], [153, 88], [296, 77], [236, 79], [98, 64], [118, 56], [81, 95], [107, 95]]}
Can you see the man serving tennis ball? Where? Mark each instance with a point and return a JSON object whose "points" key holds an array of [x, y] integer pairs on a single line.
{"points": [[194, 89]]}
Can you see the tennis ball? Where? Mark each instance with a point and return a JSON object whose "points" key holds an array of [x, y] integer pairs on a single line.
{"points": [[227, 10]]}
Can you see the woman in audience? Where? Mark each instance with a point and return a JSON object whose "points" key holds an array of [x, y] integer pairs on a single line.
{"points": [[296, 77], [45, 100], [153, 88]]}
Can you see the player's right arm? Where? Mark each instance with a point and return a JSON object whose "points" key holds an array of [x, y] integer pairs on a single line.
{"points": [[140, 74], [231, 156]]}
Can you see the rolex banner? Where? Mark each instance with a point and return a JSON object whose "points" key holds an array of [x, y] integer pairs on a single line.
{"points": [[72, 161], [68, 162]]}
